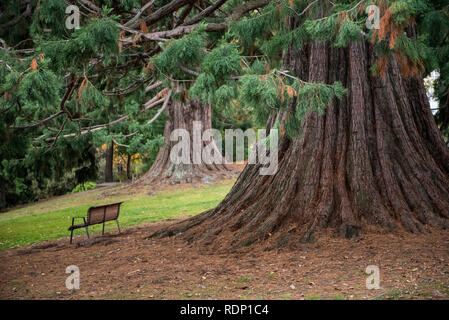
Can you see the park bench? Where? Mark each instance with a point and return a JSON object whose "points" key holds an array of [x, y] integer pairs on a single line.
{"points": [[97, 215]]}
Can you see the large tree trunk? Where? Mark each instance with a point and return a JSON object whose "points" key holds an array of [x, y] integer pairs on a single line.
{"points": [[182, 116], [108, 173], [375, 159]]}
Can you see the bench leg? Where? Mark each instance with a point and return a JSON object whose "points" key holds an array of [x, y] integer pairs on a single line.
{"points": [[87, 232], [71, 231], [118, 226], [103, 229]]}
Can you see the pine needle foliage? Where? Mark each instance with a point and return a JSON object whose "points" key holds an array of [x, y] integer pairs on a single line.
{"points": [[64, 93]]}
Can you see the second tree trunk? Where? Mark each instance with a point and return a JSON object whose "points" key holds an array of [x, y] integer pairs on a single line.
{"points": [[182, 115]]}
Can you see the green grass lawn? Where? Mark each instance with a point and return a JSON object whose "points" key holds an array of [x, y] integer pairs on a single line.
{"points": [[50, 219]]}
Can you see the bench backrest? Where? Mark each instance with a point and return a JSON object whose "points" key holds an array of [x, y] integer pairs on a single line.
{"points": [[106, 212]]}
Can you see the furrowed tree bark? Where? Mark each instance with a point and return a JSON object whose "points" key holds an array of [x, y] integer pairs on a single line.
{"points": [[374, 160], [182, 115]]}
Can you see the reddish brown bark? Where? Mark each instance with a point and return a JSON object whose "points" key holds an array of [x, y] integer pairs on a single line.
{"points": [[375, 158], [181, 116]]}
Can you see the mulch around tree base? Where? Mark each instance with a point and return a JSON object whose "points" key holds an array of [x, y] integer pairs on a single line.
{"points": [[128, 266]]}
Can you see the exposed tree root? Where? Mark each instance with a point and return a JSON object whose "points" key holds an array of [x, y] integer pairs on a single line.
{"points": [[375, 158]]}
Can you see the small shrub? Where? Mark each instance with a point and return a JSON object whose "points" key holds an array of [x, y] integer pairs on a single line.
{"points": [[84, 186]]}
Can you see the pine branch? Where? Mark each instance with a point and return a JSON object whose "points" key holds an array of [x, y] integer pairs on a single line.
{"points": [[206, 12], [139, 13], [40, 122], [122, 118], [163, 12], [187, 70], [119, 144], [305, 10], [183, 15], [89, 6], [67, 95], [235, 14], [153, 86], [59, 132]]}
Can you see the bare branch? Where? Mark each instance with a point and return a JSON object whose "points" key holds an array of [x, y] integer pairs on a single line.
{"points": [[142, 10], [109, 124], [184, 15], [59, 132], [167, 99], [188, 71], [153, 86], [206, 12], [91, 5], [210, 27], [40, 122], [164, 11], [119, 144]]}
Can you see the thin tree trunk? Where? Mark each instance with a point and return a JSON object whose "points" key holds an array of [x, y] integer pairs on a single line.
{"points": [[2, 194], [108, 174], [375, 159], [128, 167]]}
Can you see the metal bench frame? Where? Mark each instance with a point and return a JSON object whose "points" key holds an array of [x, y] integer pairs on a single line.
{"points": [[87, 223]]}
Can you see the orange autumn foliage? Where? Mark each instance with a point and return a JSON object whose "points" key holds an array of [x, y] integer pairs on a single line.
{"points": [[147, 68], [84, 83], [144, 27], [33, 65]]}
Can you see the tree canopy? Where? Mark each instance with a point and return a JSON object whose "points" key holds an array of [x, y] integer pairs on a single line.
{"points": [[65, 92]]}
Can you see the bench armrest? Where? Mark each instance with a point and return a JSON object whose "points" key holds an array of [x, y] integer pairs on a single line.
{"points": [[73, 219]]}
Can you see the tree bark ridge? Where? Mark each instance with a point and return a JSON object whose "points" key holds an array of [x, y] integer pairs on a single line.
{"points": [[374, 160]]}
